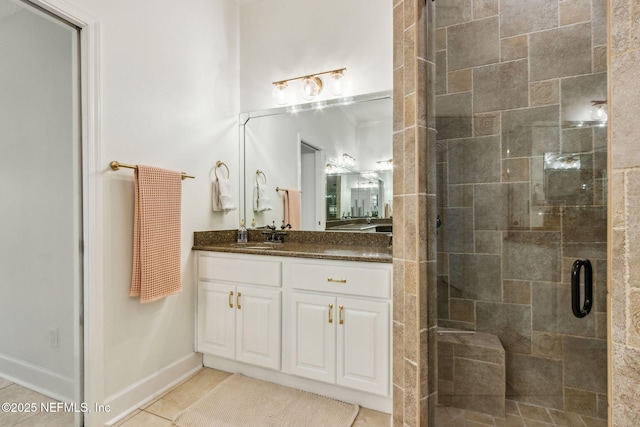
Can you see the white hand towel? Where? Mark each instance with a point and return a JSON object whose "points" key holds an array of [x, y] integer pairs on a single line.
{"points": [[261, 201], [221, 198]]}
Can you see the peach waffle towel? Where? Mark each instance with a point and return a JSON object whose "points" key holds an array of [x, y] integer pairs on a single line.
{"points": [[292, 208], [156, 234]]}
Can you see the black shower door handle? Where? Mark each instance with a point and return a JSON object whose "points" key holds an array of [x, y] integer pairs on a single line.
{"points": [[575, 287]]}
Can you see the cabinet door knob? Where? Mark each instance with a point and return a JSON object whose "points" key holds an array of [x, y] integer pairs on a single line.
{"points": [[231, 299], [331, 279], [330, 313], [238, 301], [340, 319]]}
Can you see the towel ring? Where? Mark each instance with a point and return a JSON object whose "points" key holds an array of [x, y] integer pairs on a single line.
{"points": [[258, 173], [218, 164]]}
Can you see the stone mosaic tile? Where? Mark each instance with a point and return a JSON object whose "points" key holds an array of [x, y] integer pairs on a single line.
{"points": [[473, 43], [501, 86], [485, 8], [577, 94], [585, 361], [475, 277], [560, 52], [513, 48], [477, 160], [533, 380], [531, 131], [458, 234], [502, 206], [510, 322], [519, 17], [453, 12], [574, 11]]}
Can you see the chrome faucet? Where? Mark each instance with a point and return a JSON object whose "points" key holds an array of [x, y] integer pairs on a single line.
{"points": [[271, 235]]}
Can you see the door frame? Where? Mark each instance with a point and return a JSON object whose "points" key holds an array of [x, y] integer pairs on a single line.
{"points": [[90, 315], [319, 219]]}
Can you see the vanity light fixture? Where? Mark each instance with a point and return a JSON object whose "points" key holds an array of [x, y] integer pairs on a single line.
{"points": [[348, 160], [384, 165], [311, 85]]}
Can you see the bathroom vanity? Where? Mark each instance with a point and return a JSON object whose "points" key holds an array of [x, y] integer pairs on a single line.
{"points": [[311, 316]]}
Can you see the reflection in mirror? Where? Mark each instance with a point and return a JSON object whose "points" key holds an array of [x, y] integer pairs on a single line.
{"points": [[338, 155]]}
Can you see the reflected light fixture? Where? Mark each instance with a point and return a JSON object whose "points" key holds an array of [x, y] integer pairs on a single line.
{"points": [[311, 85], [348, 160], [384, 165], [599, 111]]}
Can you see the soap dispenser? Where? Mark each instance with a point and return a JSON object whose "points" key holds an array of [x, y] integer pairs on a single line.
{"points": [[242, 233]]}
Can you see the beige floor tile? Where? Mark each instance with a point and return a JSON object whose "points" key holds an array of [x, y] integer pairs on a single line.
{"points": [[145, 419], [127, 418], [370, 418], [49, 419], [18, 394], [4, 383], [169, 405]]}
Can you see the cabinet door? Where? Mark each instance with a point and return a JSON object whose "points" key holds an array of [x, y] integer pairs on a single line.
{"points": [[312, 336], [258, 339], [216, 319], [363, 345]]}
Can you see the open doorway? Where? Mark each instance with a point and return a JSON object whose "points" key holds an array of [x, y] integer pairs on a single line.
{"points": [[312, 187], [41, 233]]}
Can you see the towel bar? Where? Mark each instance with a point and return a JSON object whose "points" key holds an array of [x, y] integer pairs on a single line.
{"points": [[218, 164], [258, 173], [282, 189], [115, 165]]}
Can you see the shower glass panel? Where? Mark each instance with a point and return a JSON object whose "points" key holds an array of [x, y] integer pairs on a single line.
{"points": [[521, 125]]}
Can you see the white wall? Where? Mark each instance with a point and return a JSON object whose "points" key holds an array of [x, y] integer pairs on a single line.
{"points": [[170, 91], [39, 242], [282, 39]]}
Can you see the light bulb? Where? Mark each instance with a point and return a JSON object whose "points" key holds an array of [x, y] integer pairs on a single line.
{"points": [[338, 83], [280, 94], [311, 86]]}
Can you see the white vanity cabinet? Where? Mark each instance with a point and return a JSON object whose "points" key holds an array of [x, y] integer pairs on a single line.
{"points": [[339, 323], [239, 309], [319, 325]]}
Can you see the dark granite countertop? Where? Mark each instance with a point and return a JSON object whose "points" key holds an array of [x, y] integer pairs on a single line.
{"points": [[368, 247]]}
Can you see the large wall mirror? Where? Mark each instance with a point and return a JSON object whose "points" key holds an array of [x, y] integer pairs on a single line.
{"points": [[337, 153]]}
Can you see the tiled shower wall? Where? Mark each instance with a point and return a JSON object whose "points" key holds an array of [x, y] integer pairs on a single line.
{"points": [[625, 209], [414, 249], [411, 386], [522, 188]]}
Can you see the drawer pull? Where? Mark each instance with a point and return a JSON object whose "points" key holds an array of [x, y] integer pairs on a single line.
{"points": [[231, 299], [331, 279], [238, 301], [330, 313], [340, 319]]}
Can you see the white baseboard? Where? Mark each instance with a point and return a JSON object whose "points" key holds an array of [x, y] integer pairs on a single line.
{"points": [[36, 378], [149, 388], [366, 400]]}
